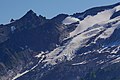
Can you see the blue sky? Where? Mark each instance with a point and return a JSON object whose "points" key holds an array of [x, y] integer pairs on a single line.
{"points": [[48, 8]]}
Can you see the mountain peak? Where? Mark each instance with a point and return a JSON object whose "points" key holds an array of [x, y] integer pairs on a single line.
{"points": [[30, 11], [30, 15]]}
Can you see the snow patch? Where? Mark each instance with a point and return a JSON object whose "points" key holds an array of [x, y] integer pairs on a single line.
{"points": [[70, 20], [23, 73], [100, 62], [13, 28], [84, 62], [117, 8], [40, 54], [116, 50], [107, 33], [19, 75], [92, 20], [67, 52], [117, 60]]}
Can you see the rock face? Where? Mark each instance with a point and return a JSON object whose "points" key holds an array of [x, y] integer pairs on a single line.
{"points": [[82, 46], [24, 38]]}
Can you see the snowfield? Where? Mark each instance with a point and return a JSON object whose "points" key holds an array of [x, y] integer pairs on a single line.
{"points": [[67, 52], [70, 20], [88, 28]]}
